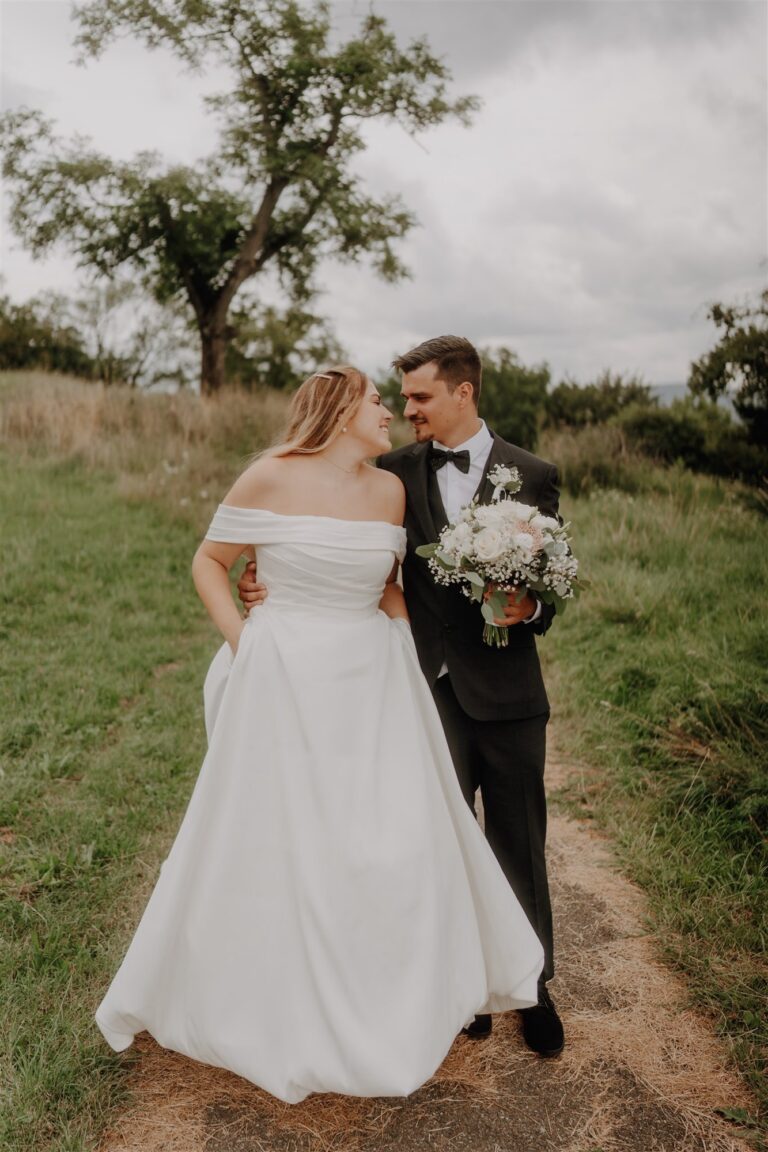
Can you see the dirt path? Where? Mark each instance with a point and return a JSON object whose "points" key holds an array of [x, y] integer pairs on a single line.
{"points": [[640, 1073]]}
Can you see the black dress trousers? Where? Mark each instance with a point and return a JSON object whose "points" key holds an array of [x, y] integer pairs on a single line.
{"points": [[504, 759]]}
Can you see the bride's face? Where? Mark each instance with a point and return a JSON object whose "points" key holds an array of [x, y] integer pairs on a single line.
{"points": [[370, 423]]}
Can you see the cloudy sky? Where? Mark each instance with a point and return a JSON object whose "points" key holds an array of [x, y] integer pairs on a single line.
{"points": [[612, 186]]}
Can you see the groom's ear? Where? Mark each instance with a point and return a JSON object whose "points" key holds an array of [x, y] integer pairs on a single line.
{"points": [[466, 393]]}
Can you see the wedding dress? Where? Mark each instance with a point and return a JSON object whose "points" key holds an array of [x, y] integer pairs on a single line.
{"points": [[330, 915]]}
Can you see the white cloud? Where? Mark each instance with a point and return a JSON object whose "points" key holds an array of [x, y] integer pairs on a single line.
{"points": [[612, 185]]}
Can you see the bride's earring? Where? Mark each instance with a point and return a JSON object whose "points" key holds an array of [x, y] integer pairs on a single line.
{"points": [[343, 429]]}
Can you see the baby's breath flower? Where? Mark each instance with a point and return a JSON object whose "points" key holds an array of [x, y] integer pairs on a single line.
{"points": [[495, 548]]}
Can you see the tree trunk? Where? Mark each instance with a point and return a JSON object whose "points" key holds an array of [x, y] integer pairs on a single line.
{"points": [[213, 347]]}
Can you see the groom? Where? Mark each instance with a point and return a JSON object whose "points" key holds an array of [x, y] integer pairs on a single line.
{"points": [[492, 701]]}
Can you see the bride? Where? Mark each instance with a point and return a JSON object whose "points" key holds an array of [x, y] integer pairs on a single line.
{"points": [[329, 915]]}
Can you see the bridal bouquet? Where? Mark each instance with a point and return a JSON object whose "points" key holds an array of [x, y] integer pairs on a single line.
{"points": [[502, 547]]}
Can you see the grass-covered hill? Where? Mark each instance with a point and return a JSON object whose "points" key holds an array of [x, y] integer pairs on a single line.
{"points": [[659, 691]]}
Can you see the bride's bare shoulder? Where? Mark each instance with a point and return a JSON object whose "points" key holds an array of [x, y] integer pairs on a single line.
{"points": [[389, 494], [257, 485]]}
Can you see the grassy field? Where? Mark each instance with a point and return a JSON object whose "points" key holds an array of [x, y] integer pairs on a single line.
{"points": [[104, 650], [660, 691]]}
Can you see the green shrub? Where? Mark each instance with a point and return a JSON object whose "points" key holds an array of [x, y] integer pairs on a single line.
{"points": [[513, 397], [38, 335], [575, 405], [703, 437]]}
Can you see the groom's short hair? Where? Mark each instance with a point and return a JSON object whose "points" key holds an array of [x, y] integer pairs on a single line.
{"points": [[456, 359]]}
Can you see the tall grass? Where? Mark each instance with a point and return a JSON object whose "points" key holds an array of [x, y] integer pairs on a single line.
{"points": [[662, 688], [158, 446]]}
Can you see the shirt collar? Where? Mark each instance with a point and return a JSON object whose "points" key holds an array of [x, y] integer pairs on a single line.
{"points": [[477, 445]]}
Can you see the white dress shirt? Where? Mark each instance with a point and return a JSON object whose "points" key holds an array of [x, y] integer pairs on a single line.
{"points": [[457, 488]]}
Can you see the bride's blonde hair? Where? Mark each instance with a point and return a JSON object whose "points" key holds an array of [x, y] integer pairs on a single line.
{"points": [[319, 408]]}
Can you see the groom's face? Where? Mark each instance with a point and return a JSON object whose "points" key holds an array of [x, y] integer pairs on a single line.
{"points": [[433, 411]]}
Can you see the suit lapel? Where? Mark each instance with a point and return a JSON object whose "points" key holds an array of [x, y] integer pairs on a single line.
{"points": [[500, 453], [436, 506], [416, 484]]}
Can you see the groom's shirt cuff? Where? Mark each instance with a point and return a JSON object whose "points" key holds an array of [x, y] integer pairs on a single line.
{"points": [[534, 615]]}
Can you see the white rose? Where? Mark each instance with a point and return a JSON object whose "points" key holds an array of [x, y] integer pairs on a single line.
{"points": [[523, 540], [490, 515], [489, 544], [548, 522], [516, 511], [448, 540], [462, 535], [509, 512]]}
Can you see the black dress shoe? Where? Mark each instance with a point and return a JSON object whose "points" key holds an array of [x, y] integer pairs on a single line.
{"points": [[542, 1027], [479, 1028]]}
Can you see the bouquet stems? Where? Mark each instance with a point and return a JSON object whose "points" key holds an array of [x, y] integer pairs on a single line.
{"points": [[495, 636]]}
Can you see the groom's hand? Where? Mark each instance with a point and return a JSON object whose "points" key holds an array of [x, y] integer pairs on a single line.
{"points": [[248, 588], [516, 610]]}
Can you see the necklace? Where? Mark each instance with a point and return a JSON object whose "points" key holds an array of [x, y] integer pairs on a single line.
{"points": [[341, 468]]}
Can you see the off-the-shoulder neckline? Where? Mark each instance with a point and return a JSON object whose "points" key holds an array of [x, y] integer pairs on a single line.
{"points": [[309, 516]]}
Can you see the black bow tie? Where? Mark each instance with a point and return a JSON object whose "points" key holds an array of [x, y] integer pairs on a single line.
{"points": [[438, 457]]}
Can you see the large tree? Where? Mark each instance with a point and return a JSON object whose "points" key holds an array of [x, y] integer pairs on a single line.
{"points": [[280, 191], [272, 349], [738, 364]]}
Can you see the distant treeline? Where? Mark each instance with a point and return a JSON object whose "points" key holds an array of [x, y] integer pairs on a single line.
{"points": [[273, 350], [611, 423], [118, 334], [31, 336]]}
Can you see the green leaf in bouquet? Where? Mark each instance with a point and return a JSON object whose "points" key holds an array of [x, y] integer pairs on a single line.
{"points": [[498, 602], [475, 579], [426, 550], [549, 597], [488, 612], [445, 561], [477, 592], [494, 606]]}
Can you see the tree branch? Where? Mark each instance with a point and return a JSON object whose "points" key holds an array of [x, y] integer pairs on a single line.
{"points": [[247, 260]]}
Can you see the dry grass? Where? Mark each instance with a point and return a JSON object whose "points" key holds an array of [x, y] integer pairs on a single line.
{"points": [[178, 448], [640, 1071], [640, 1021], [642, 1024], [182, 449], [597, 457], [176, 1098]]}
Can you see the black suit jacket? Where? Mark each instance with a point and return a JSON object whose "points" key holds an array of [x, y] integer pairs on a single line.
{"points": [[490, 683]]}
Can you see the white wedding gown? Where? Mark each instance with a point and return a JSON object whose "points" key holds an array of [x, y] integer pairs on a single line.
{"points": [[330, 915]]}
